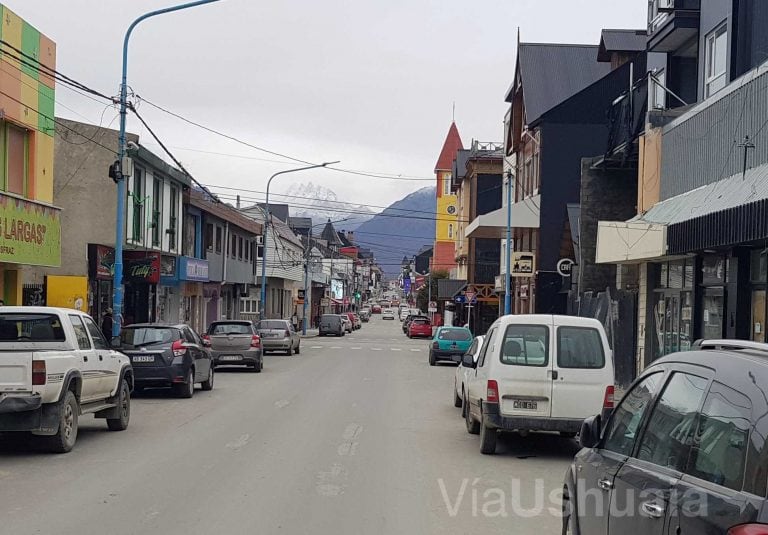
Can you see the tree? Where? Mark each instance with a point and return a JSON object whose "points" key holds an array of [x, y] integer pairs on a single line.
{"points": [[422, 298]]}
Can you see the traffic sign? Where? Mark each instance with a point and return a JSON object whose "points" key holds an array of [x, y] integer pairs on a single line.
{"points": [[432, 306], [470, 296], [523, 264], [565, 266]]}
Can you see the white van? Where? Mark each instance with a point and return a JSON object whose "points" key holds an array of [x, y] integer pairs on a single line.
{"points": [[538, 373]]}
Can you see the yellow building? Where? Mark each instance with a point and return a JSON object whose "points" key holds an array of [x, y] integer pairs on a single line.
{"points": [[446, 231], [30, 229]]}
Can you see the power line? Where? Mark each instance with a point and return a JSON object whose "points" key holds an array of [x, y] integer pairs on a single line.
{"points": [[388, 176]]}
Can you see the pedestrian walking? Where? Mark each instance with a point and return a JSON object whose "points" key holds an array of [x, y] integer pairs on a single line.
{"points": [[106, 323]]}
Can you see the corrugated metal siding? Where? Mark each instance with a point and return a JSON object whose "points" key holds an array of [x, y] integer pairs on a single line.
{"points": [[735, 225], [702, 149]]}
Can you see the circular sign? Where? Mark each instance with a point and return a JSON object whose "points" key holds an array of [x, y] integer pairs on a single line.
{"points": [[451, 209], [565, 266]]}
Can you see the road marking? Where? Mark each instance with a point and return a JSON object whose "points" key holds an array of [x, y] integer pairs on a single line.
{"points": [[415, 349], [375, 349], [352, 431], [335, 347], [347, 448], [326, 481], [356, 347], [239, 443], [395, 349], [282, 403], [316, 347]]}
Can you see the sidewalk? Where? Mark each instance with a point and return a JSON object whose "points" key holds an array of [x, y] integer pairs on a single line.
{"points": [[311, 333]]}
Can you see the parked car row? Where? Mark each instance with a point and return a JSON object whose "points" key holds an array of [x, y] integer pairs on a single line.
{"points": [[341, 324], [682, 452], [57, 366]]}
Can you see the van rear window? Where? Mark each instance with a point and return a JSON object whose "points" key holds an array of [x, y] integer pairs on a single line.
{"points": [[579, 347], [526, 345], [20, 327]]}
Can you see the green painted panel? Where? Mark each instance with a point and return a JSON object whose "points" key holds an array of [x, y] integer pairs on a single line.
{"points": [[30, 45], [45, 105]]}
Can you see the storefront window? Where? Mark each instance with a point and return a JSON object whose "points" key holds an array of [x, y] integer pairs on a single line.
{"points": [[758, 264], [713, 310], [673, 307]]}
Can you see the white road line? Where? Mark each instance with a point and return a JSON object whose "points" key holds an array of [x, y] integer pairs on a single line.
{"points": [[415, 349], [356, 347], [335, 347], [395, 349], [316, 347], [375, 349]]}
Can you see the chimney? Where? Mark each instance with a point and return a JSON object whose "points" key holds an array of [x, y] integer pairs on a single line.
{"points": [[237, 203]]}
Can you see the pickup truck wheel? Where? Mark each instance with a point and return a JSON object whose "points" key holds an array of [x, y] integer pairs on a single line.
{"points": [[473, 427], [187, 389], [124, 406], [207, 385], [66, 435], [488, 436]]}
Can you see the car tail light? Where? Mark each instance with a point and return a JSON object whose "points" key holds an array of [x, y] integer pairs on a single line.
{"points": [[178, 348], [749, 529], [492, 393], [255, 341], [435, 345], [287, 333], [39, 374], [608, 399], [206, 340]]}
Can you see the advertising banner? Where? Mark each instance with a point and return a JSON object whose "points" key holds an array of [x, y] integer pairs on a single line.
{"points": [[193, 269], [141, 266], [30, 233]]}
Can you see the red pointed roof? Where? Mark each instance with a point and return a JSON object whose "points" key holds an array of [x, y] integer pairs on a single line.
{"points": [[451, 146]]}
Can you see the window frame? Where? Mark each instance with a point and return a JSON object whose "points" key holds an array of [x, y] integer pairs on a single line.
{"points": [[578, 328], [607, 426], [157, 210], [710, 57], [547, 347], [95, 333], [77, 322], [173, 220], [219, 239], [486, 344], [5, 160], [137, 194]]}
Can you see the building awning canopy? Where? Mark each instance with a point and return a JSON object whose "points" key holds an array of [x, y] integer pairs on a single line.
{"points": [[525, 214], [447, 288], [666, 229]]}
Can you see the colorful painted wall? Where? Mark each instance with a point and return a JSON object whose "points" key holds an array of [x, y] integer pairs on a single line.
{"points": [[30, 231]]}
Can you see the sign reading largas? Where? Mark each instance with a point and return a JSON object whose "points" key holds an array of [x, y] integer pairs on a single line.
{"points": [[30, 233]]}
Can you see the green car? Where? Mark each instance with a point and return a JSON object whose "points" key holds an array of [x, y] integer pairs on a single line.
{"points": [[449, 343]]}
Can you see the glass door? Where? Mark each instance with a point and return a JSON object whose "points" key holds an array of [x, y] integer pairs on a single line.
{"points": [[713, 313]]}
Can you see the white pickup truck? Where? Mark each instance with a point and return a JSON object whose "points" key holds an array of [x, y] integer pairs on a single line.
{"points": [[56, 365]]}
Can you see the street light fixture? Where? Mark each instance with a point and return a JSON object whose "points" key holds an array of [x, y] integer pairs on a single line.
{"points": [[267, 221], [122, 186]]}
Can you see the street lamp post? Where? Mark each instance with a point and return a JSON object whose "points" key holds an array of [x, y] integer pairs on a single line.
{"points": [[122, 186], [508, 249], [267, 222]]}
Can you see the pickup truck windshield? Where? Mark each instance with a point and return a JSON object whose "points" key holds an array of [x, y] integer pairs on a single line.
{"points": [[144, 336], [23, 327]]}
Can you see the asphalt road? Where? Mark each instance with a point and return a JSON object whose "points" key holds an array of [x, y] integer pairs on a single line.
{"points": [[355, 435]]}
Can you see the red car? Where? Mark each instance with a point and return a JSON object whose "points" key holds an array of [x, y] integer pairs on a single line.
{"points": [[376, 309], [420, 327]]}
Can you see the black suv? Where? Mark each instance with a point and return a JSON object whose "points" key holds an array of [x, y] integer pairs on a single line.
{"points": [[684, 452]]}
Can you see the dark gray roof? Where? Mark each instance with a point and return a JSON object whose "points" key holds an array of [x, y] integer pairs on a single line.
{"points": [[621, 41], [280, 211], [448, 288], [330, 235], [460, 166], [552, 73]]}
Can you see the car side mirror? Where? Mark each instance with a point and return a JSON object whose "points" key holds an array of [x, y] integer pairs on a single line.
{"points": [[115, 343], [468, 361], [589, 437]]}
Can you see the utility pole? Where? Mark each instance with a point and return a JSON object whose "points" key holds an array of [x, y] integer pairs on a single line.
{"points": [[306, 284], [123, 163]]}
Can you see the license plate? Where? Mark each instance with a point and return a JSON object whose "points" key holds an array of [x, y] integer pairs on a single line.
{"points": [[143, 358], [230, 357], [524, 405]]}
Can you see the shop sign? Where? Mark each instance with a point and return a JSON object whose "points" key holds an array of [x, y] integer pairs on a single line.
{"points": [[168, 266], [30, 233], [141, 266], [193, 269], [101, 261], [523, 264]]}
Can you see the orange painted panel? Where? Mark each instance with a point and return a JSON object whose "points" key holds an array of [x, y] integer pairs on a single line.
{"points": [[10, 92], [48, 59]]}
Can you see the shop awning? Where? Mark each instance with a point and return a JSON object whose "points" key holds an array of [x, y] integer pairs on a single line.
{"points": [[525, 214], [726, 212], [448, 288]]}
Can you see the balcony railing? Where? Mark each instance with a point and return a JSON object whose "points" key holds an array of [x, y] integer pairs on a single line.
{"points": [[626, 120]]}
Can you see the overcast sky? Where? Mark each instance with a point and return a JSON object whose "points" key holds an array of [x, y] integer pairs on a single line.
{"points": [[370, 83]]}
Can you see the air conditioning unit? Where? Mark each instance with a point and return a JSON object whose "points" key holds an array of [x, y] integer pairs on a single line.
{"points": [[259, 240]]}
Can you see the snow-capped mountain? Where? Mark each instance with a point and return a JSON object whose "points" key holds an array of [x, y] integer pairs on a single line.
{"points": [[321, 203]]}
